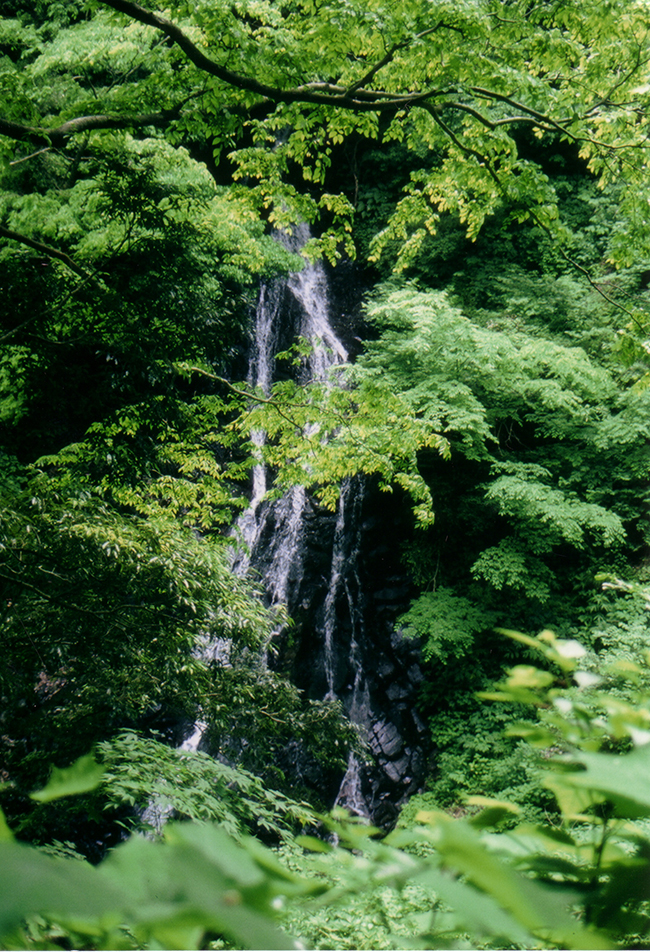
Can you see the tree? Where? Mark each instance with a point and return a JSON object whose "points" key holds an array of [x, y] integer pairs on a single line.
{"points": [[119, 479], [461, 84]]}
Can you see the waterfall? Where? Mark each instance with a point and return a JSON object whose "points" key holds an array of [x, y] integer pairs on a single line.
{"points": [[284, 553], [350, 795], [260, 371], [338, 575], [338, 561], [344, 580], [284, 546], [309, 287], [344, 575]]}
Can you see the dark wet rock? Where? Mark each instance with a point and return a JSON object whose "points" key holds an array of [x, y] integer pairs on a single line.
{"points": [[414, 674], [418, 723], [382, 699], [385, 740], [394, 771], [385, 669], [397, 692]]}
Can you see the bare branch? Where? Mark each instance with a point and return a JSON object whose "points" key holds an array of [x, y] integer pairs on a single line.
{"points": [[55, 599], [584, 271], [57, 136], [32, 155], [40, 315], [607, 98], [49, 251]]}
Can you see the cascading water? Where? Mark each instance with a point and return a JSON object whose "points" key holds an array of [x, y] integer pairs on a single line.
{"points": [[260, 374], [314, 565], [343, 576], [309, 287], [338, 578], [284, 561], [284, 545], [338, 562]]}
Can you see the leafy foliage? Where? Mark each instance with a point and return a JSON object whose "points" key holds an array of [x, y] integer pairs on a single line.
{"points": [[531, 501], [257, 718], [235, 80], [161, 781], [443, 880], [522, 416], [134, 897], [144, 162], [447, 622], [343, 433], [101, 613]]}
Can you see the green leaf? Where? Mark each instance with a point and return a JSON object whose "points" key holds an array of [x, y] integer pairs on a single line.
{"points": [[623, 779], [476, 910], [5, 833], [539, 909], [493, 813], [313, 844], [31, 882], [82, 776]]}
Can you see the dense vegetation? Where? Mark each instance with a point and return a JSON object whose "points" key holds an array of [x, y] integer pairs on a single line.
{"points": [[501, 393]]}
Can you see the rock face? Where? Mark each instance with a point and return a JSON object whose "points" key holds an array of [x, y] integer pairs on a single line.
{"points": [[339, 574], [348, 648]]}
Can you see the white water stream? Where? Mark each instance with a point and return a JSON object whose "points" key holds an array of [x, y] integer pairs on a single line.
{"points": [[274, 532], [309, 288]]}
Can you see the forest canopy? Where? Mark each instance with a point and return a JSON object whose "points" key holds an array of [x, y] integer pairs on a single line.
{"points": [[260, 91], [474, 176]]}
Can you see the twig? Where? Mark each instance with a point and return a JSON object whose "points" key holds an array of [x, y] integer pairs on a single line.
{"points": [[49, 251]]}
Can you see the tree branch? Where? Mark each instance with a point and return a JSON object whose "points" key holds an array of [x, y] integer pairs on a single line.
{"points": [[49, 251], [385, 60], [355, 97], [493, 123], [372, 72], [56, 136], [540, 116], [40, 315], [32, 155], [194, 54], [55, 599], [253, 397], [323, 94], [484, 161], [584, 271], [465, 149]]}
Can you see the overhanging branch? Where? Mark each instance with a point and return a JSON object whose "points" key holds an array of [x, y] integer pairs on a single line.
{"points": [[388, 57], [57, 136], [484, 161], [356, 96], [323, 94]]}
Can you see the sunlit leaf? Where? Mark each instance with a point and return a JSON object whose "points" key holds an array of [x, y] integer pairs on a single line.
{"points": [[84, 775]]}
